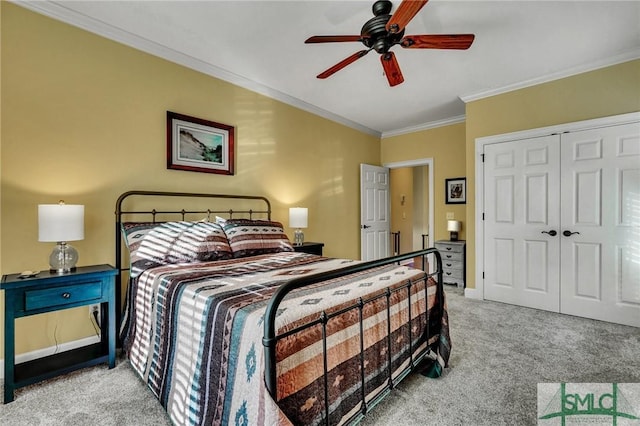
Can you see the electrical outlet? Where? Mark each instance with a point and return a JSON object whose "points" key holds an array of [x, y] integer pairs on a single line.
{"points": [[450, 216]]}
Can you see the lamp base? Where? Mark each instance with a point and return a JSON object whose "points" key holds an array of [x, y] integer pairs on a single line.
{"points": [[453, 236], [63, 258], [298, 237]]}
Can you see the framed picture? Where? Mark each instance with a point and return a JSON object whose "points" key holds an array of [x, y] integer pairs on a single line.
{"points": [[456, 190], [198, 145]]}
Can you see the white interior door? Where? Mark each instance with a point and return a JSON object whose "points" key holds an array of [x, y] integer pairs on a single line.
{"points": [[600, 252], [521, 226], [375, 225]]}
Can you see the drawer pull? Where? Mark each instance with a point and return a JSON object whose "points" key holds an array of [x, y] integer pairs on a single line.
{"points": [[448, 273], [66, 295], [448, 248], [449, 264], [449, 256]]}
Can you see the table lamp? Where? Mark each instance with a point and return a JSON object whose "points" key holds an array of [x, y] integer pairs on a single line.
{"points": [[453, 226], [298, 219], [61, 223]]}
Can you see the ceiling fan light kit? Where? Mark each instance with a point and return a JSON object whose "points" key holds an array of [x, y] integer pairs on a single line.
{"points": [[384, 31]]}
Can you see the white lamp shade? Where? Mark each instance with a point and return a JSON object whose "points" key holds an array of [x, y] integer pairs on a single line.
{"points": [[298, 217], [60, 222], [453, 226]]}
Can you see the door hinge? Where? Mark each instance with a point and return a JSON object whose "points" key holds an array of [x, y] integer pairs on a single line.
{"points": [[482, 216], [482, 155], [483, 275]]}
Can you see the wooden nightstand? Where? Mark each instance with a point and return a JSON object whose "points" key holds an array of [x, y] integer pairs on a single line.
{"points": [[309, 247], [48, 292]]}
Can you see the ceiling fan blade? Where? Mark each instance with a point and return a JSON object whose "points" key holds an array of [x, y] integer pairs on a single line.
{"points": [[391, 68], [337, 67], [403, 14], [333, 38], [438, 41]]}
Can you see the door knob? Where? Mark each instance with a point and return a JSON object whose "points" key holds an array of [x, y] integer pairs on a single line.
{"points": [[568, 233], [553, 232]]}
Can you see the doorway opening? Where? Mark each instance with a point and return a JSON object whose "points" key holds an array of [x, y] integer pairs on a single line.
{"points": [[411, 206]]}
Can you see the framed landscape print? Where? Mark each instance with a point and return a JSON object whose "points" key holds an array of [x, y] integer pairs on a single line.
{"points": [[456, 190], [198, 145]]}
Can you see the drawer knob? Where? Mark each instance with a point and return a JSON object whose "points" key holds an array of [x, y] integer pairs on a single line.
{"points": [[66, 295]]}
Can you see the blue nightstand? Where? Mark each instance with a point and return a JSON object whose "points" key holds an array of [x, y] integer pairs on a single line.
{"points": [[48, 292]]}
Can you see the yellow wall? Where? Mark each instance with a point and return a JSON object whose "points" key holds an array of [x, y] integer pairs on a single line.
{"points": [[601, 93], [446, 145], [83, 119]]}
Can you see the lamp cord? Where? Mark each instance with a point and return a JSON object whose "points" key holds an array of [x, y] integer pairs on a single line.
{"points": [[96, 322]]}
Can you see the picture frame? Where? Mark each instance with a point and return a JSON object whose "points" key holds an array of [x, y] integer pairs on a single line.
{"points": [[455, 190], [198, 145]]}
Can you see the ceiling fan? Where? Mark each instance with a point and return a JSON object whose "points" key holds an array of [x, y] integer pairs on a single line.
{"points": [[384, 31]]}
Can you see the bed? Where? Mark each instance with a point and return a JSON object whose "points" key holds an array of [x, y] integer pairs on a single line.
{"points": [[227, 324]]}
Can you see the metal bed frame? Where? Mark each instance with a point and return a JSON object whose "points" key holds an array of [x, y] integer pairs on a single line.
{"points": [[271, 338]]}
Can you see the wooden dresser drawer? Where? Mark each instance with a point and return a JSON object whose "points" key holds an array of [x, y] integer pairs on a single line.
{"points": [[457, 273], [451, 257], [451, 265], [62, 295], [450, 247]]}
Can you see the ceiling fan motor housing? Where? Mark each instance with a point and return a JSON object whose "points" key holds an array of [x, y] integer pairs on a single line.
{"points": [[375, 35]]}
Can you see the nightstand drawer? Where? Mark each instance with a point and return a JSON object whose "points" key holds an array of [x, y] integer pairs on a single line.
{"points": [[450, 265], [454, 247], [63, 295], [457, 274], [451, 257]]}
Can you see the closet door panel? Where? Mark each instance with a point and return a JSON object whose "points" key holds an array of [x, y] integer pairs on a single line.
{"points": [[521, 204], [600, 205]]}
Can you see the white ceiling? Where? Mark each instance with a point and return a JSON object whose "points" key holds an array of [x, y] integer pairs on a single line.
{"points": [[260, 45]]}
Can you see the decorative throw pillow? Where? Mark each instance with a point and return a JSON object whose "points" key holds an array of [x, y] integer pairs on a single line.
{"points": [[152, 244], [253, 237]]}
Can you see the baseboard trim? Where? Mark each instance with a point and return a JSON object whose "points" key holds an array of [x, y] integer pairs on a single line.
{"points": [[41, 353], [472, 293]]}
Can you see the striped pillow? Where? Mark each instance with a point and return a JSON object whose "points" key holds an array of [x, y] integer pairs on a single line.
{"points": [[253, 237], [152, 244]]}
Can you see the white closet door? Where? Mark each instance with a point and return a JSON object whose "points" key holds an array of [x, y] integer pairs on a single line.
{"points": [[375, 223], [600, 204], [521, 188]]}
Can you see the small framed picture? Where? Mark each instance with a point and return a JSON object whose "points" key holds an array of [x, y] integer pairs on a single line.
{"points": [[198, 145], [456, 190]]}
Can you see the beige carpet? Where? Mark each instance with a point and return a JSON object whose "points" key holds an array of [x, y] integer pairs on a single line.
{"points": [[500, 354]]}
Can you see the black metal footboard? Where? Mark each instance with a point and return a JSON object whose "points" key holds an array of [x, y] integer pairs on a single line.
{"points": [[270, 338]]}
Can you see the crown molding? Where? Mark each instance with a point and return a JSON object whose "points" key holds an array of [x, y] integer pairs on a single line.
{"points": [[613, 60], [59, 12], [425, 126]]}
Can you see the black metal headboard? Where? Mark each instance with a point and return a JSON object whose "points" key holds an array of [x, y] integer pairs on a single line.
{"points": [[161, 199]]}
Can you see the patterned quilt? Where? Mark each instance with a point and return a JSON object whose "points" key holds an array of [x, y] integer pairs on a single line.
{"points": [[193, 332]]}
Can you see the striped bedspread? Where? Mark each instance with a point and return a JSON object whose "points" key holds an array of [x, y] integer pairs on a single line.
{"points": [[193, 332]]}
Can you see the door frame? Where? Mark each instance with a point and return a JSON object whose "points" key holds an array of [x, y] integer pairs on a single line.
{"points": [[418, 163], [478, 291]]}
